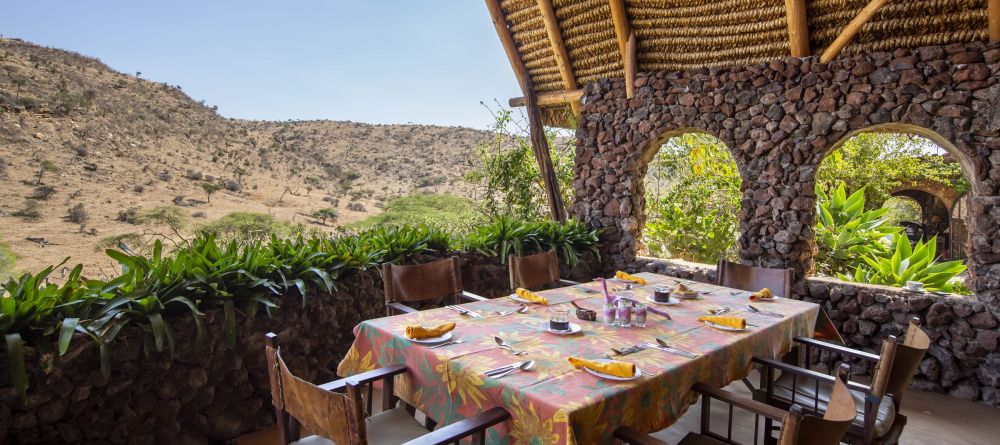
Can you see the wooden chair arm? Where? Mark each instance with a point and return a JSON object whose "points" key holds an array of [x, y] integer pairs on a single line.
{"points": [[463, 428], [837, 348], [566, 282], [806, 373], [632, 437], [399, 308], [365, 377], [740, 401], [469, 296]]}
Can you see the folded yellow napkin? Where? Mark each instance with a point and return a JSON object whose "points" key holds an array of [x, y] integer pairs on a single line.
{"points": [[733, 322], [615, 368], [530, 296], [418, 332], [763, 294], [629, 277]]}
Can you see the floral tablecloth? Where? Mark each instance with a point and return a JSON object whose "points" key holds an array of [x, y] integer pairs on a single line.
{"points": [[555, 403]]}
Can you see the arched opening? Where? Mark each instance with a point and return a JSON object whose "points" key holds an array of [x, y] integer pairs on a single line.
{"points": [[692, 196], [888, 192]]}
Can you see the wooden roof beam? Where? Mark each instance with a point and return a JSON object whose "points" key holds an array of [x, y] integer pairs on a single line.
{"points": [[626, 44], [851, 30], [509, 46], [798, 27], [559, 49], [994, 18], [550, 98]]}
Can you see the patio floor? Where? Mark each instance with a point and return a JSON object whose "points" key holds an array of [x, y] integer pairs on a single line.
{"points": [[934, 419]]}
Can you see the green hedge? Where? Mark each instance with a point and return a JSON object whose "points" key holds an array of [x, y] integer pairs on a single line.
{"points": [[249, 277]]}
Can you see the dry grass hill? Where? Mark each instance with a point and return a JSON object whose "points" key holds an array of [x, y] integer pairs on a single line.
{"points": [[86, 151]]}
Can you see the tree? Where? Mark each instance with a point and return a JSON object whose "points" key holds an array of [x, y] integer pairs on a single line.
{"points": [[210, 188], [46, 166], [880, 162], [506, 176], [324, 214]]}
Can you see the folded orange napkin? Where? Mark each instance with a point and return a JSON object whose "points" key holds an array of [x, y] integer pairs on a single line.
{"points": [[615, 368], [763, 294], [629, 277], [733, 322], [530, 296], [417, 332]]}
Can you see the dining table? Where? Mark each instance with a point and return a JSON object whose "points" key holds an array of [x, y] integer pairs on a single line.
{"points": [[555, 402]]}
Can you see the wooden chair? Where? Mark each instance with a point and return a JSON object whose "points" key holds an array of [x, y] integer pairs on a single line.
{"points": [[752, 279], [340, 412], [428, 282], [535, 272], [879, 419], [796, 428]]}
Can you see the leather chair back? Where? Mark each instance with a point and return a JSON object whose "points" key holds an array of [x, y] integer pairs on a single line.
{"points": [[335, 416], [422, 282], [899, 361], [799, 429], [752, 279], [533, 271]]}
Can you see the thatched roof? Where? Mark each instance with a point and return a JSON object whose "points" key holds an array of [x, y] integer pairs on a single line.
{"points": [[686, 34]]}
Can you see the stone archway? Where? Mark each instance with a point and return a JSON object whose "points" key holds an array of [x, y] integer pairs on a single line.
{"points": [[779, 121]]}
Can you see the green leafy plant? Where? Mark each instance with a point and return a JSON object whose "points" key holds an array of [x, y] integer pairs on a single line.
{"points": [[847, 231], [693, 189], [504, 236], [908, 263]]}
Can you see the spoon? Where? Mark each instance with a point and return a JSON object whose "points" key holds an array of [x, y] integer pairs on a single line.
{"points": [[525, 366], [503, 345]]}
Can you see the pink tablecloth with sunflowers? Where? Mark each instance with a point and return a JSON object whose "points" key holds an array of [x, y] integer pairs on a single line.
{"points": [[555, 403]]}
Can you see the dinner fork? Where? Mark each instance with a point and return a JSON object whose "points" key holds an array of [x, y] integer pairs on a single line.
{"points": [[464, 311], [762, 312], [453, 342]]}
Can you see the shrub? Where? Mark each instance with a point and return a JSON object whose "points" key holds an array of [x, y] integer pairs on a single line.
{"points": [[164, 176], [450, 212], [78, 214], [194, 175], [44, 167], [7, 260], [233, 185], [138, 188], [247, 227], [908, 263], [128, 216], [42, 192], [30, 211], [846, 231], [504, 236]]}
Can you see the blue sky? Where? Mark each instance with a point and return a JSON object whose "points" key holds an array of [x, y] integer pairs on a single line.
{"points": [[384, 61]]}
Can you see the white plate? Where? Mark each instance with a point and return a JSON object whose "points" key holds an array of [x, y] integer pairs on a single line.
{"points": [[602, 375], [573, 329], [723, 328], [765, 300], [673, 301], [432, 340], [522, 300]]}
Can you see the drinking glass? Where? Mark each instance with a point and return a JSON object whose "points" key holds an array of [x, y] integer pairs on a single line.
{"points": [[624, 315], [559, 320], [639, 316], [608, 314]]}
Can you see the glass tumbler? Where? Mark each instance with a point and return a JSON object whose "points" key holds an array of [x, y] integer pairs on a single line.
{"points": [[624, 315], [639, 315], [559, 320]]}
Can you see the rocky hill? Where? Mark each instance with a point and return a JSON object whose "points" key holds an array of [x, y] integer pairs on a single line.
{"points": [[82, 144]]}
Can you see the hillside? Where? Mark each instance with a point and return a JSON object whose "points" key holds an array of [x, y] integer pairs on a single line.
{"points": [[75, 132]]}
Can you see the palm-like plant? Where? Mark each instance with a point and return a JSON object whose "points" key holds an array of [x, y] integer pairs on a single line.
{"points": [[846, 231], [908, 263]]}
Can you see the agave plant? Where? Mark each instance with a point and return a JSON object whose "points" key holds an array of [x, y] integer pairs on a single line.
{"points": [[846, 231], [908, 263]]}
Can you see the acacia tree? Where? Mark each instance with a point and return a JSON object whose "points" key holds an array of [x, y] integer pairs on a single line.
{"points": [[210, 188], [46, 166]]}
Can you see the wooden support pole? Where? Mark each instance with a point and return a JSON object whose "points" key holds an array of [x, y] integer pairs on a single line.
{"points": [[540, 146], [509, 46], [549, 98], [994, 19], [630, 63], [559, 50], [851, 30], [622, 28], [798, 27]]}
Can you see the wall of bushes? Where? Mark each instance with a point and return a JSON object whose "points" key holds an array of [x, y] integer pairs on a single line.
{"points": [[172, 350]]}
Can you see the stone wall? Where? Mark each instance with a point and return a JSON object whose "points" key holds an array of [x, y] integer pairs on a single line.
{"points": [[963, 361], [780, 120], [213, 395]]}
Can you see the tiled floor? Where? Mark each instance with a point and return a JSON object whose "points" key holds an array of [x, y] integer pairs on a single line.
{"points": [[934, 419]]}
